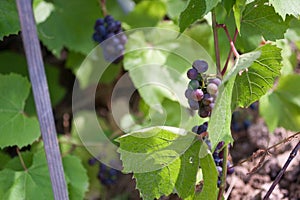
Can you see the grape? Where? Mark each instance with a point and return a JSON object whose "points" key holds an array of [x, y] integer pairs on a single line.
{"points": [[200, 65], [194, 84], [212, 105], [195, 129], [207, 99], [194, 105], [92, 161], [230, 169], [197, 95], [220, 145], [203, 113], [114, 48], [192, 74], [216, 81], [219, 169], [212, 88], [188, 93], [107, 175]]}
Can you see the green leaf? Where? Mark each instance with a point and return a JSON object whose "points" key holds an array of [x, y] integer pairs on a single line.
{"points": [[281, 108], [283, 8], [243, 62], [251, 85], [210, 178], [9, 20], [5, 158], [238, 9], [76, 177], [63, 27], [157, 61], [195, 10], [261, 19], [220, 120], [146, 14], [162, 159], [15, 128], [12, 62], [174, 8], [32, 184], [35, 182]]}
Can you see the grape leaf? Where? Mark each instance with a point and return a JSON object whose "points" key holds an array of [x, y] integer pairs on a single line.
{"points": [[251, 85], [157, 65], [238, 9], [210, 178], [162, 159], [220, 120], [70, 25], [195, 10], [243, 62], [12, 62], [35, 182], [76, 177], [262, 19], [15, 128], [281, 108], [283, 8], [174, 8], [9, 21]]}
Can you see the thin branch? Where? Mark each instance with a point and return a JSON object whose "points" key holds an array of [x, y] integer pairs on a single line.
{"points": [[216, 41], [103, 7], [262, 151], [278, 177], [229, 54], [224, 173], [21, 159]]}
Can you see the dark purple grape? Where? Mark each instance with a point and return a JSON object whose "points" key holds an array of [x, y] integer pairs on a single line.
{"points": [[192, 74], [108, 18], [197, 95], [212, 88], [200, 65], [207, 108], [212, 105], [220, 145], [230, 169], [203, 113], [202, 128], [194, 105], [195, 129], [92, 161], [99, 22], [194, 84], [107, 175]]}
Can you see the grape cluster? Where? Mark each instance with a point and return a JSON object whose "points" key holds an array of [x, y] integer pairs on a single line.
{"points": [[106, 175], [202, 90], [108, 27], [218, 158], [201, 94]]}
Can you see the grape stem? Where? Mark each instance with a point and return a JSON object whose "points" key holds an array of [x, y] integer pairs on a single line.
{"points": [[224, 173], [21, 159], [229, 54], [216, 41], [103, 7]]}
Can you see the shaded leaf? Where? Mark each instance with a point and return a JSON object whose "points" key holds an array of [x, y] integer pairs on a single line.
{"points": [[15, 127], [281, 108]]}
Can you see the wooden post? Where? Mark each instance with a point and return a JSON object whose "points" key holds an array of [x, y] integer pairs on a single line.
{"points": [[42, 98]]}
